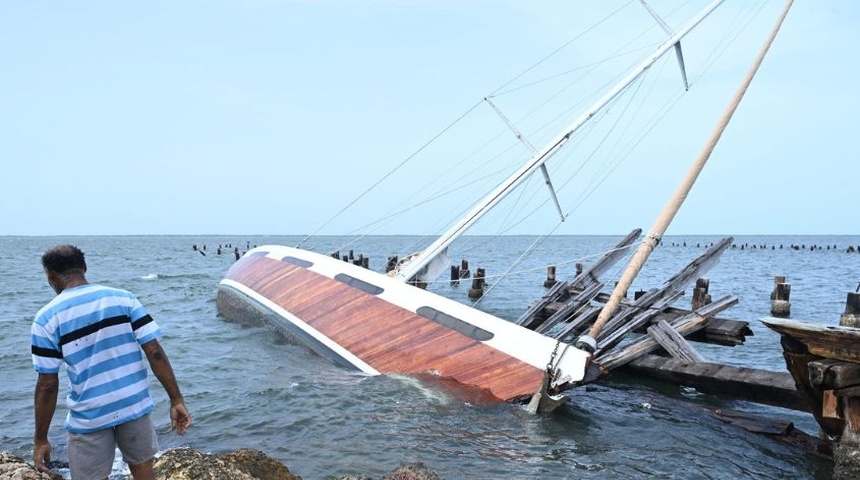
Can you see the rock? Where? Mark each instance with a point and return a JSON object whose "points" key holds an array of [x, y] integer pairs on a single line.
{"points": [[406, 471], [190, 464], [13, 467], [243, 464], [411, 471]]}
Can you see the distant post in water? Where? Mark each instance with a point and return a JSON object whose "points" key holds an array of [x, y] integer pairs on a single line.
{"points": [[464, 269], [392, 263], [779, 298], [455, 274], [851, 317], [550, 276], [477, 290]]}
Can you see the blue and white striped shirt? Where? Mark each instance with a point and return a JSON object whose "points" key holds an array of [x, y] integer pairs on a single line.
{"points": [[97, 332]]}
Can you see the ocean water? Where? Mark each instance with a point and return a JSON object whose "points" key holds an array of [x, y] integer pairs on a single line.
{"points": [[246, 387]]}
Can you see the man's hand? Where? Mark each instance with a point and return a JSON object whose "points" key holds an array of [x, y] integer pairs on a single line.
{"points": [[180, 419], [41, 455]]}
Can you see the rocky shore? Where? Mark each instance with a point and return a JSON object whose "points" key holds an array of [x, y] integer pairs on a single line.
{"points": [[190, 464]]}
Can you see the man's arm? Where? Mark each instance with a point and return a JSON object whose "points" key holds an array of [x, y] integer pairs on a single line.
{"points": [[45, 403], [180, 419]]}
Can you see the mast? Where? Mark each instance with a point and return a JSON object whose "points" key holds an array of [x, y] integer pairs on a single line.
{"points": [[588, 342], [411, 269]]}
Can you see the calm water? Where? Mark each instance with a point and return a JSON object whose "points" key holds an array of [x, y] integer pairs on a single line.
{"points": [[248, 388]]}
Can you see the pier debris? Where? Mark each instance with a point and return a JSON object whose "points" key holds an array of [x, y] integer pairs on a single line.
{"points": [[851, 317], [779, 304], [477, 290]]}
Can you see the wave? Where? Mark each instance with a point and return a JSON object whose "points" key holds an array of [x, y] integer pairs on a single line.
{"points": [[162, 276]]}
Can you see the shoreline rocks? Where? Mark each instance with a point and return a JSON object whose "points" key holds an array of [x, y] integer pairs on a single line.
{"points": [[13, 467], [191, 464]]}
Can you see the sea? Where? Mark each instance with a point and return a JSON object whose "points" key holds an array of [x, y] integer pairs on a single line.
{"points": [[246, 387]]}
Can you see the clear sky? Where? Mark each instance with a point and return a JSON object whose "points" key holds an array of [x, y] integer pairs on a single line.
{"points": [[268, 116]]}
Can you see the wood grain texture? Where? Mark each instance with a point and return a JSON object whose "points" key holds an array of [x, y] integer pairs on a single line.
{"points": [[387, 337]]}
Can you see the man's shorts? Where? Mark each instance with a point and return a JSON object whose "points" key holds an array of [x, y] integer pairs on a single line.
{"points": [[91, 455]]}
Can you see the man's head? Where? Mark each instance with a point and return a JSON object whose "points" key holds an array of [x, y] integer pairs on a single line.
{"points": [[64, 264]]}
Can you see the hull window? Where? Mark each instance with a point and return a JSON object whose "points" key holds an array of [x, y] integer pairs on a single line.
{"points": [[455, 323], [297, 262], [359, 284]]}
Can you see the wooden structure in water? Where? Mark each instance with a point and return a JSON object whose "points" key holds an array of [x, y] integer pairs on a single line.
{"points": [[650, 323], [570, 307], [825, 364]]}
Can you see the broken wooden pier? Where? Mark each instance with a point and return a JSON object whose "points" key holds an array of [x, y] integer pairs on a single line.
{"points": [[650, 323]]}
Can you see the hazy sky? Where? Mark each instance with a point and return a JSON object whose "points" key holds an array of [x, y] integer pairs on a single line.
{"points": [[268, 116]]}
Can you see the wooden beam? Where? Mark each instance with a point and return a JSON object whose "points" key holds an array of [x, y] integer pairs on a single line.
{"points": [[674, 343], [760, 386], [829, 374]]}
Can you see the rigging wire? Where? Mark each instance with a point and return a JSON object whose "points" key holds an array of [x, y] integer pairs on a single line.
{"points": [[728, 39], [448, 127], [439, 193], [562, 47], [711, 60], [391, 172]]}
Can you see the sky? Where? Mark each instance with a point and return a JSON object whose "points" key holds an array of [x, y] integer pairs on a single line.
{"points": [[269, 116]]}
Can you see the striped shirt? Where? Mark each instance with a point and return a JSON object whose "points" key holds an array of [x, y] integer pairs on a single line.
{"points": [[96, 331]]}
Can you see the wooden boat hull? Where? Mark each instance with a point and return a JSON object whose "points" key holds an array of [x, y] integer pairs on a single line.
{"points": [[367, 321], [828, 341]]}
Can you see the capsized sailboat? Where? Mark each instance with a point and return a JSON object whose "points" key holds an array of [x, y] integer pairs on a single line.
{"points": [[381, 324]]}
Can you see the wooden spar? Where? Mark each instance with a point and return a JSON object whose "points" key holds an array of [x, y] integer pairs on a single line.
{"points": [[417, 264], [662, 223]]}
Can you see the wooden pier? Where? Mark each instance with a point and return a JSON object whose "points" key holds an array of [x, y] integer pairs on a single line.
{"points": [[649, 336]]}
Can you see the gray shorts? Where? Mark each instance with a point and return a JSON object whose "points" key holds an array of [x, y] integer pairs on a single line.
{"points": [[91, 455]]}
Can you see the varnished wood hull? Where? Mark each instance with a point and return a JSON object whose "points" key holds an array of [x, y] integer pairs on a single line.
{"points": [[367, 321]]}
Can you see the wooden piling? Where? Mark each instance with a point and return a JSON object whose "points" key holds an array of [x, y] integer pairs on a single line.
{"points": [[477, 290], [392, 263], [550, 277], [455, 275], [851, 317], [779, 298], [701, 297], [464, 269]]}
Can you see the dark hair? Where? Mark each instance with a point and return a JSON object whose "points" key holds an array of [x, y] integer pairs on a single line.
{"points": [[64, 259]]}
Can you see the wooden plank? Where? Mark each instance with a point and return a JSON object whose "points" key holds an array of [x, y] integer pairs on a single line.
{"points": [[828, 341], [760, 386], [614, 358], [720, 331], [533, 316], [830, 374], [754, 423], [660, 298], [572, 307], [623, 323], [640, 347], [674, 343]]}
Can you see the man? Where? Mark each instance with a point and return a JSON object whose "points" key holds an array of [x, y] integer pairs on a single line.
{"points": [[98, 332]]}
